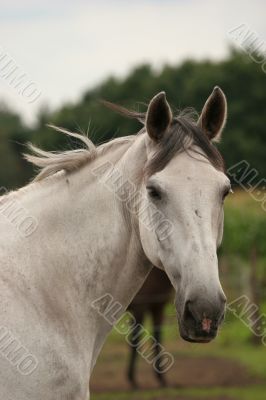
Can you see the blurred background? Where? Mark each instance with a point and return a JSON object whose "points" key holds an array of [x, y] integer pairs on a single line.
{"points": [[59, 58]]}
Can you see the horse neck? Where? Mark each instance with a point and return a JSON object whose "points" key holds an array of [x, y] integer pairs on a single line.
{"points": [[118, 233], [126, 267]]}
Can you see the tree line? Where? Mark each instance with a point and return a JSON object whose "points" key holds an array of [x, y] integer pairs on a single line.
{"points": [[187, 85]]}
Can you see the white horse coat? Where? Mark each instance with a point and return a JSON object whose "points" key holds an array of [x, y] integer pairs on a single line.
{"points": [[87, 241]]}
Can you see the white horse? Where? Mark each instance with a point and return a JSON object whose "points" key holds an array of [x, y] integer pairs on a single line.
{"points": [[90, 227]]}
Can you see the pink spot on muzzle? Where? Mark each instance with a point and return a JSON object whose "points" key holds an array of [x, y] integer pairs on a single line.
{"points": [[206, 325]]}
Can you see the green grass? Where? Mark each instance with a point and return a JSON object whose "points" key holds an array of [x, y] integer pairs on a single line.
{"points": [[245, 393]]}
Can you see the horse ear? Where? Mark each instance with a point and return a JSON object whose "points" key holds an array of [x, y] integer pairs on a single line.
{"points": [[213, 115], [159, 117]]}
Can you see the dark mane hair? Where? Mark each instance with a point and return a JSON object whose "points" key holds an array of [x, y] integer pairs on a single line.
{"points": [[181, 136]]}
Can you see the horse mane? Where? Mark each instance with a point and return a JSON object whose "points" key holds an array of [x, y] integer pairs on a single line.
{"points": [[181, 136], [183, 133], [51, 162]]}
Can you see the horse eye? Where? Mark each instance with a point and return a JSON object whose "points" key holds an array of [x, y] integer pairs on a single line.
{"points": [[153, 192]]}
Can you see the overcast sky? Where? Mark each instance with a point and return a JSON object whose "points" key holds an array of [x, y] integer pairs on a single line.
{"points": [[66, 47]]}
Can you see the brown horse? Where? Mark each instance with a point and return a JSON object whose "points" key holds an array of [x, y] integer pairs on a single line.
{"points": [[151, 299]]}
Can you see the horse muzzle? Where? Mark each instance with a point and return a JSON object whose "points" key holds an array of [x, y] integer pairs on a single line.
{"points": [[201, 319]]}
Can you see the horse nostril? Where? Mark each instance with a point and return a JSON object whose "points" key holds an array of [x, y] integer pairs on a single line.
{"points": [[188, 312], [206, 325], [203, 314]]}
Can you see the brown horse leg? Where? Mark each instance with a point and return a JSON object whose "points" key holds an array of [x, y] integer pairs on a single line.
{"points": [[157, 316], [134, 341]]}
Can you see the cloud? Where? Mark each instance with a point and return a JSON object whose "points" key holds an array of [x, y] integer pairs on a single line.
{"points": [[68, 46]]}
